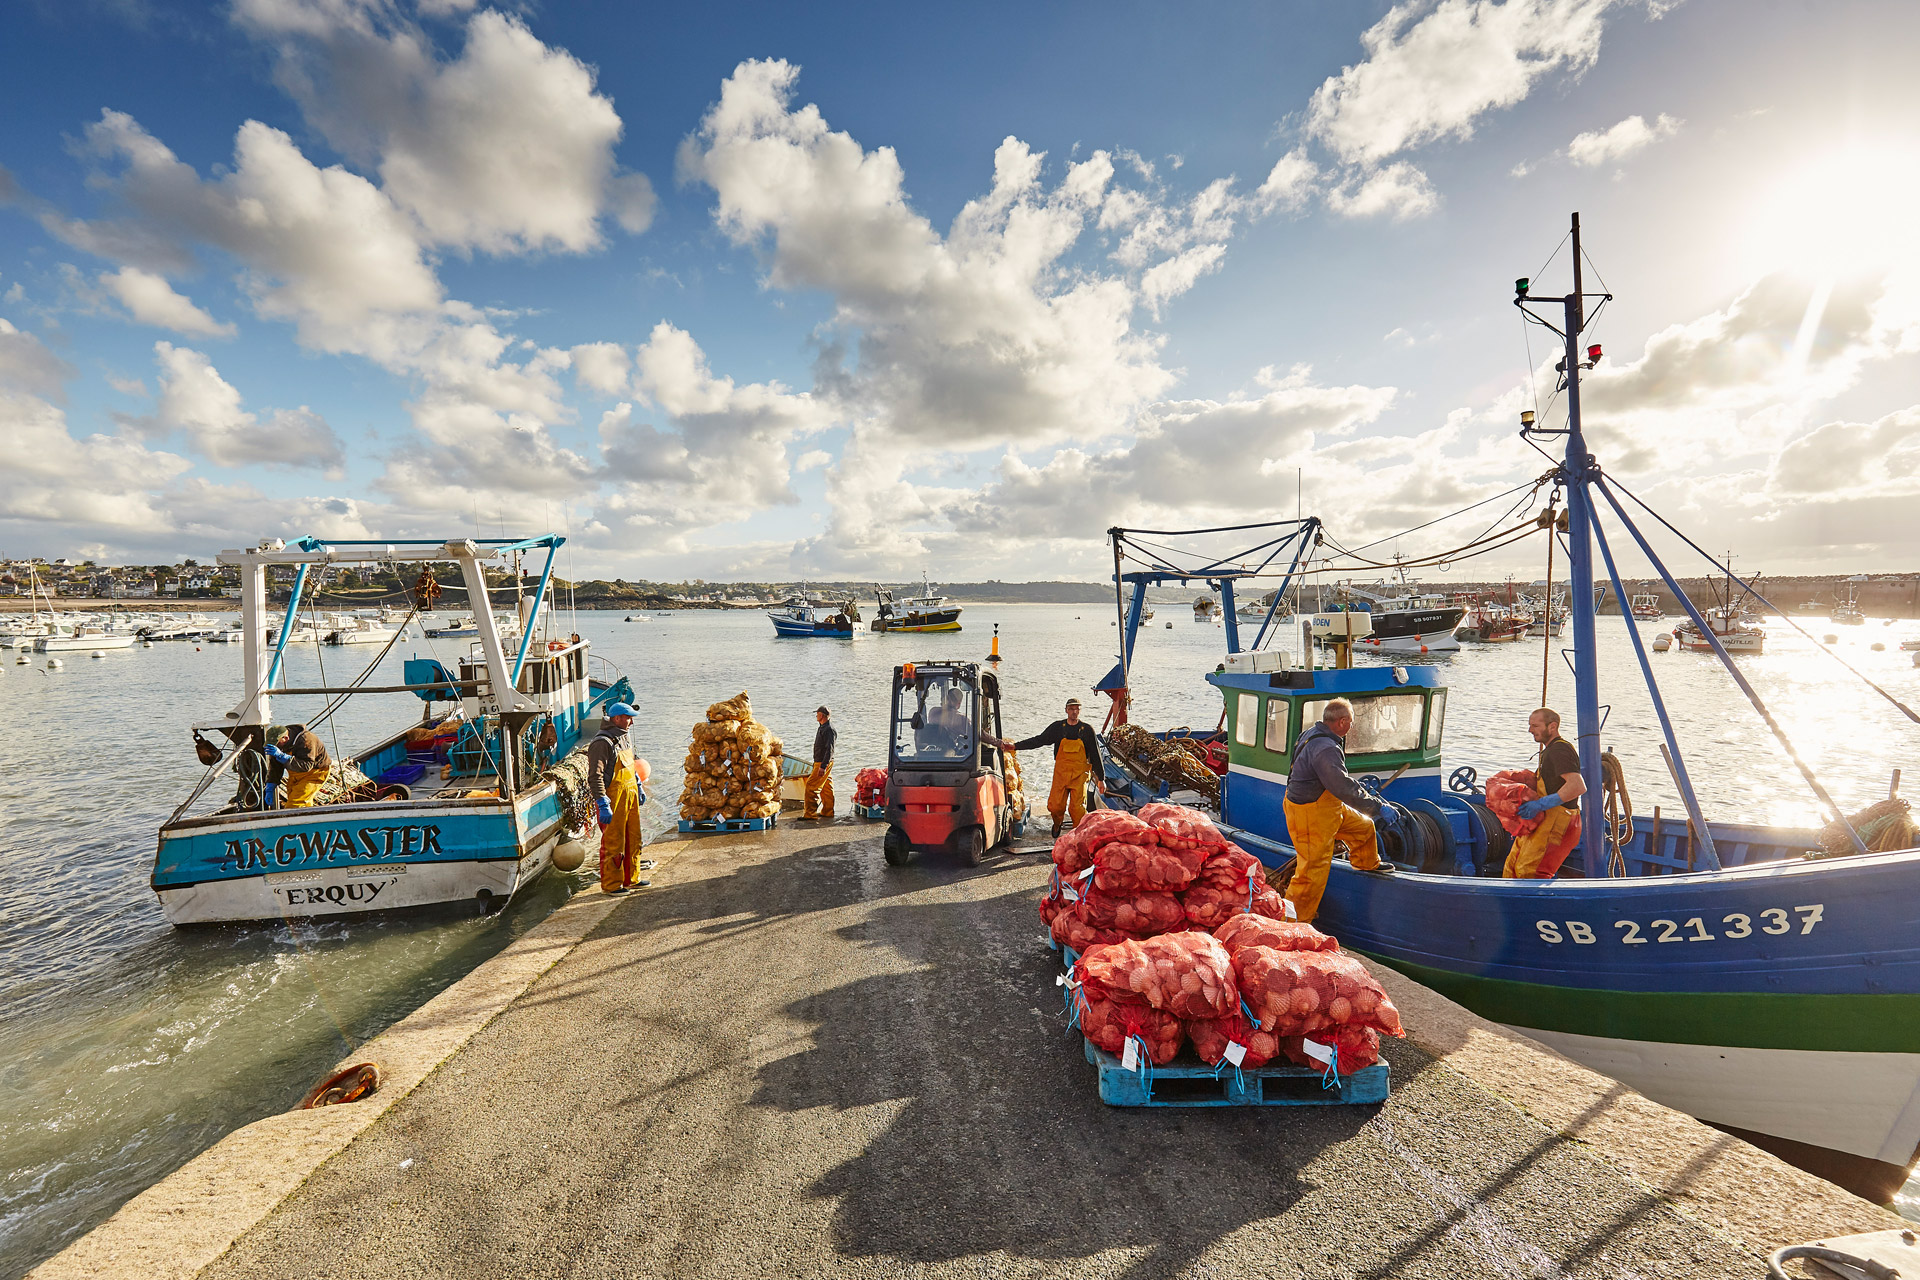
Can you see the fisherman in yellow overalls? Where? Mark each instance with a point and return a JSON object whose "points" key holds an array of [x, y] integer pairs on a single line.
{"points": [[1076, 763], [301, 763], [1558, 786], [1324, 805], [613, 780]]}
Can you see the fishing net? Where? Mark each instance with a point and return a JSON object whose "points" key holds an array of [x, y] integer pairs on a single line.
{"points": [[569, 778], [1281, 935], [1230, 883], [1883, 827], [1506, 792], [1169, 762]]}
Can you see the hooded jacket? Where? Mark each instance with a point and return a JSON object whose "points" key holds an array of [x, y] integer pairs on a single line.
{"points": [[1320, 766]]}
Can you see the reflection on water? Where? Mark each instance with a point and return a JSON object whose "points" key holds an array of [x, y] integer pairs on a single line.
{"points": [[131, 1046]]}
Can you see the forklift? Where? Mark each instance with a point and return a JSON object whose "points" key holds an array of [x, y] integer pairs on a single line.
{"points": [[946, 785]]}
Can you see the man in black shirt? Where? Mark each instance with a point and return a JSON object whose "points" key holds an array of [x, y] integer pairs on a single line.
{"points": [[819, 802], [1076, 762], [1558, 785]]}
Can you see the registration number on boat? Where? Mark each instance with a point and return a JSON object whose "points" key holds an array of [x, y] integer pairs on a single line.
{"points": [[1774, 920]]}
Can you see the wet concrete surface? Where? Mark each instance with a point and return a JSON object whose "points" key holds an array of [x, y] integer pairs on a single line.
{"points": [[787, 1059]]}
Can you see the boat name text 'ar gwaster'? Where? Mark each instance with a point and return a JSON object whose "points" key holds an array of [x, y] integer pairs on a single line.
{"points": [[338, 845], [1773, 920]]}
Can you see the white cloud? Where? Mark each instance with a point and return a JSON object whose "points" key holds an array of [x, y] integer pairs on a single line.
{"points": [[811, 460], [197, 402], [507, 148], [1852, 460], [1604, 146], [149, 299], [1398, 191], [601, 367], [26, 364], [1289, 185], [1433, 69]]}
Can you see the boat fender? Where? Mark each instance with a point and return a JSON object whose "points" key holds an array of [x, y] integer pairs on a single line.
{"points": [[568, 855], [348, 1084]]}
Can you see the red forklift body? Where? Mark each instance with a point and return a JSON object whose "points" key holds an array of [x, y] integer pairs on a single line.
{"points": [[946, 784]]}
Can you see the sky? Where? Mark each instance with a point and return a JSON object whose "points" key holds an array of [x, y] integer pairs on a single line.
{"points": [[772, 292]]}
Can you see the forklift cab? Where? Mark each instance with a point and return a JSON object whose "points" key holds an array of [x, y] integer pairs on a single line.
{"points": [[946, 784]]}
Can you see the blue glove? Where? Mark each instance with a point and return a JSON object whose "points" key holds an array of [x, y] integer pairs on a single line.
{"points": [[276, 754], [606, 811], [1534, 808], [643, 792]]}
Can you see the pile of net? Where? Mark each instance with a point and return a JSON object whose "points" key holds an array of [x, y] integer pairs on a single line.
{"points": [[569, 777], [1120, 876], [1160, 761], [1506, 792], [1883, 827], [730, 767], [345, 784], [1255, 990], [870, 787]]}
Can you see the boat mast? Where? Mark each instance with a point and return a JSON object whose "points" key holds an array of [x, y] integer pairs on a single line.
{"points": [[1579, 468]]}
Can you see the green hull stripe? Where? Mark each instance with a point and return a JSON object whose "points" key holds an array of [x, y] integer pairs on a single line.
{"points": [[1744, 1020]]}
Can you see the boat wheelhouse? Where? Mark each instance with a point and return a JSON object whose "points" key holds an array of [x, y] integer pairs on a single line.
{"points": [[459, 803]]}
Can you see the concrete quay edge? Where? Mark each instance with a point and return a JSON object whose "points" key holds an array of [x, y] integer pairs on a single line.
{"points": [[185, 1222], [175, 1228]]}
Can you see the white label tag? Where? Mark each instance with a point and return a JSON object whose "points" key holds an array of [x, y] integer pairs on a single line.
{"points": [[1059, 979], [1318, 1052], [1286, 905], [1236, 1052], [1069, 893], [1130, 1055]]}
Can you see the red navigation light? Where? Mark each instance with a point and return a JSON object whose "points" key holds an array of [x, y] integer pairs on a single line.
{"points": [[1593, 352]]}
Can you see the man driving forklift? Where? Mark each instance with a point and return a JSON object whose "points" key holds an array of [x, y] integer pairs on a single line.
{"points": [[1076, 763]]}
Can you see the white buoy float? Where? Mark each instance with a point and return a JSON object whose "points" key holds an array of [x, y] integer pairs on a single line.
{"points": [[568, 855], [97, 654], [146, 644], [54, 664]]}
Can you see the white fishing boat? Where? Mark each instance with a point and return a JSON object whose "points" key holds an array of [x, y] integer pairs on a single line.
{"points": [[1848, 612], [83, 638], [227, 635], [1646, 608], [360, 631], [392, 826]]}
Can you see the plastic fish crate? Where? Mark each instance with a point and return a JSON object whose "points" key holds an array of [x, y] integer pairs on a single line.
{"points": [[869, 811], [1181, 1084], [725, 826]]}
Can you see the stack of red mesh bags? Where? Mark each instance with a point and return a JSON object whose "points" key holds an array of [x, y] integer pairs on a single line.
{"points": [[1296, 982], [1151, 990], [870, 787], [1506, 792], [1164, 868]]}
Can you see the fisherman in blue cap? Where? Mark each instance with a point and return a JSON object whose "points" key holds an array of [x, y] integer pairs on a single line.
{"points": [[614, 780]]}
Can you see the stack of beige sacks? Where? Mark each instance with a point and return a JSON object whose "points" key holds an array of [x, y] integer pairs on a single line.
{"points": [[731, 769], [1016, 789]]}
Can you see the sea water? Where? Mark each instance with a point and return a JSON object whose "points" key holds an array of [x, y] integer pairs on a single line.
{"points": [[130, 1046]]}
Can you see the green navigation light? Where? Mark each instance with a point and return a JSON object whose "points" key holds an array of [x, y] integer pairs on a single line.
{"points": [[1521, 285]]}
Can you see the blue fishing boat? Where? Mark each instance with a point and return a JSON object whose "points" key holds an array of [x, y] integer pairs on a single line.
{"points": [[801, 616], [462, 803], [1763, 978]]}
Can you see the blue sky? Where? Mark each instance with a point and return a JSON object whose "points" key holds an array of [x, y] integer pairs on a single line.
{"points": [[774, 291]]}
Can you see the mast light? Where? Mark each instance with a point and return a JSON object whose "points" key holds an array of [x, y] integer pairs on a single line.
{"points": [[1593, 352], [1521, 286], [1526, 418]]}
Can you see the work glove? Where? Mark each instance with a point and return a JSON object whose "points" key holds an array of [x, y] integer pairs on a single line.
{"points": [[1535, 808], [643, 792], [1369, 806], [606, 812], [276, 754]]}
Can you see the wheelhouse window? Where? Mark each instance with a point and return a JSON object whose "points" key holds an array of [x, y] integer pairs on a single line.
{"points": [[1387, 722], [1246, 720], [1436, 719], [1279, 713]]}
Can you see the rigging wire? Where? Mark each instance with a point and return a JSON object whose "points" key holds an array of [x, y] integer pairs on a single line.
{"points": [[1450, 515], [1905, 710]]}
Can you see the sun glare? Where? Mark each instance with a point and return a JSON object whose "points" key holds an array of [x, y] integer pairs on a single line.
{"points": [[1849, 210]]}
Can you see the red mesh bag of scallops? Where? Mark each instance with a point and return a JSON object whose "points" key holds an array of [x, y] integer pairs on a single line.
{"points": [[1211, 1036], [1179, 827], [1123, 865], [1070, 929], [1281, 935], [1073, 851], [1355, 1048], [1139, 913], [1109, 1023], [1186, 974], [1296, 993], [1230, 883]]}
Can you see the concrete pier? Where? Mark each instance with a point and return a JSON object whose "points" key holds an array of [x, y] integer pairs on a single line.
{"points": [[786, 1059]]}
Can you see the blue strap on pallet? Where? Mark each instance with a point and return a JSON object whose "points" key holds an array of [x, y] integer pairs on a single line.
{"points": [[1145, 1066]]}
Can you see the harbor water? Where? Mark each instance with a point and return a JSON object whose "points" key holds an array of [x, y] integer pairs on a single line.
{"points": [[130, 1046]]}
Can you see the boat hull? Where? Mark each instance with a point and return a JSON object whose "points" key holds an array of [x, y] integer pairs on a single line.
{"points": [[348, 859], [82, 644], [1782, 999], [801, 630]]}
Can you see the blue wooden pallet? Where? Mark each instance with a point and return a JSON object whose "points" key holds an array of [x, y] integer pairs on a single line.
{"points": [[1181, 1084], [869, 811], [725, 826]]}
